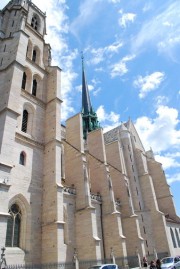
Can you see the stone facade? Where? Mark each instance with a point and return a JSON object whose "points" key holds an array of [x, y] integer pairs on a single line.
{"points": [[93, 196]]}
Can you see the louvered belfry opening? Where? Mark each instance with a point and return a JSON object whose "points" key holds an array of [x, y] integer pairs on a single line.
{"points": [[24, 121], [34, 23]]}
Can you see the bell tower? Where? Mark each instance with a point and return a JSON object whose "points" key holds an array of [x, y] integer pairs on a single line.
{"points": [[30, 139]]}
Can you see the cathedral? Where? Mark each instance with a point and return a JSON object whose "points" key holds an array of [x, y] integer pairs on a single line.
{"points": [[70, 192]]}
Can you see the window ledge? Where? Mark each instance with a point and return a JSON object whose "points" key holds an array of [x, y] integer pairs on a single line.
{"points": [[14, 250], [4, 214]]}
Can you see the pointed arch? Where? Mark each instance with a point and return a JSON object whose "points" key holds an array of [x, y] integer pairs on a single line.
{"points": [[23, 234], [173, 238], [37, 86], [27, 80]]}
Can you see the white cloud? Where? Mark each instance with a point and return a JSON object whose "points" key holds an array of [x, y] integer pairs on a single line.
{"points": [[100, 54], [173, 178], [108, 121], [160, 133], [68, 76], [120, 68], [148, 83], [168, 161], [126, 18], [57, 29]]}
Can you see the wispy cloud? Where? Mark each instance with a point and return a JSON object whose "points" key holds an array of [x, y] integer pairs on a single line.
{"points": [[168, 161], [108, 120], [114, 1], [162, 31], [88, 11], [148, 83], [120, 68], [92, 87], [126, 18], [173, 178], [102, 53]]}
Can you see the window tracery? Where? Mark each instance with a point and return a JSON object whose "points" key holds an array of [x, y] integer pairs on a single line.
{"points": [[13, 227]]}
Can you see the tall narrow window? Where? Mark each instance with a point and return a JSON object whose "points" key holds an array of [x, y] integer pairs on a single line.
{"points": [[24, 81], [24, 121], [34, 56], [34, 87], [177, 237], [13, 227], [12, 23], [34, 22], [173, 238], [4, 47], [22, 158]]}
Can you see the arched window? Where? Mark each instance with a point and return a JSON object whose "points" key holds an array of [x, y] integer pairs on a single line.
{"points": [[177, 237], [34, 87], [22, 158], [34, 22], [173, 238], [24, 121], [34, 56], [13, 227], [24, 81]]}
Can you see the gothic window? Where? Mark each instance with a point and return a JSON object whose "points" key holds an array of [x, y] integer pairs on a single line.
{"points": [[22, 158], [24, 121], [34, 22], [177, 237], [173, 238], [34, 87], [24, 81], [34, 56], [4, 47], [13, 227]]}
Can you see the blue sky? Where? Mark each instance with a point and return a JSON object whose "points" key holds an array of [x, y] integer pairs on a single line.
{"points": [[132, 62]]}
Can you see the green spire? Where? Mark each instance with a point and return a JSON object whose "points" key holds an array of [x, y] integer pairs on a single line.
{"points": [[90, 120]]}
